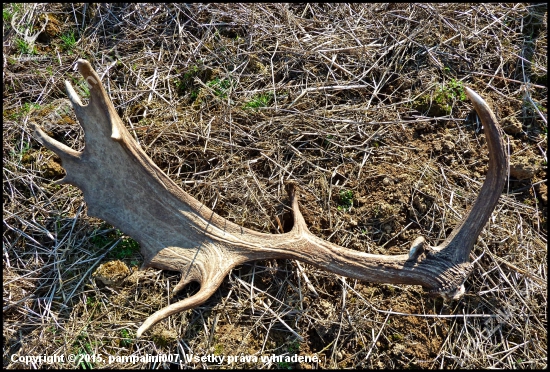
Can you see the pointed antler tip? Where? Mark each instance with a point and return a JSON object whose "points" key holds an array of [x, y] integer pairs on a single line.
{"points": [[473, 96], [83, 65], [66, 153], [73, 97], [88, 72]]}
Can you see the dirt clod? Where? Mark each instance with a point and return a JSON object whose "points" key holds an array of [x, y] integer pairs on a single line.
{"points": [[112, 273]]}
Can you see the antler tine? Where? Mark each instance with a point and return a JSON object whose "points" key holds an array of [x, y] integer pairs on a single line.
{"points": [[111, 125], [463, 237]]}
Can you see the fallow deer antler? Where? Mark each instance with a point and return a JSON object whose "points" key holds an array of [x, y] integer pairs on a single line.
{"points": [[123, 186]]}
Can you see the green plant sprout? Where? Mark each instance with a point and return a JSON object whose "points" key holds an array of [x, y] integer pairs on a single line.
{"points": [[346, 200], [24, 47], [441, 102], [125, 249], [69, 41], [261, 100], [220, 86]]}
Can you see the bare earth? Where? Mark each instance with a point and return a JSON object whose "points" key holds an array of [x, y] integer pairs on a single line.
{"points": [[361, 105]]}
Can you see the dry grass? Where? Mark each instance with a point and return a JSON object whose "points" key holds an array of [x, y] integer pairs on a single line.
{"points": [[231, 101]]}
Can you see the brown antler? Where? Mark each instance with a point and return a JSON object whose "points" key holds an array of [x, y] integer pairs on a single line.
{"points": [[123, 186]]}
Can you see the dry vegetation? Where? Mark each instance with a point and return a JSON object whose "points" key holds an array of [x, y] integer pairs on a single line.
{"points": [[359, 104]]}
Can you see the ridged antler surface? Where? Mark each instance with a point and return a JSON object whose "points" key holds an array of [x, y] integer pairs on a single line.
{"points": [[123, 186]]}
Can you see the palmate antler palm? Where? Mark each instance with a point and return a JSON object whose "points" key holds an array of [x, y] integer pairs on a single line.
{"points": [[123, 186]]}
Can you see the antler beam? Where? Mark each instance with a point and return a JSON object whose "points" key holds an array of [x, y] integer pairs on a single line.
{"points": [[123, 186]]}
